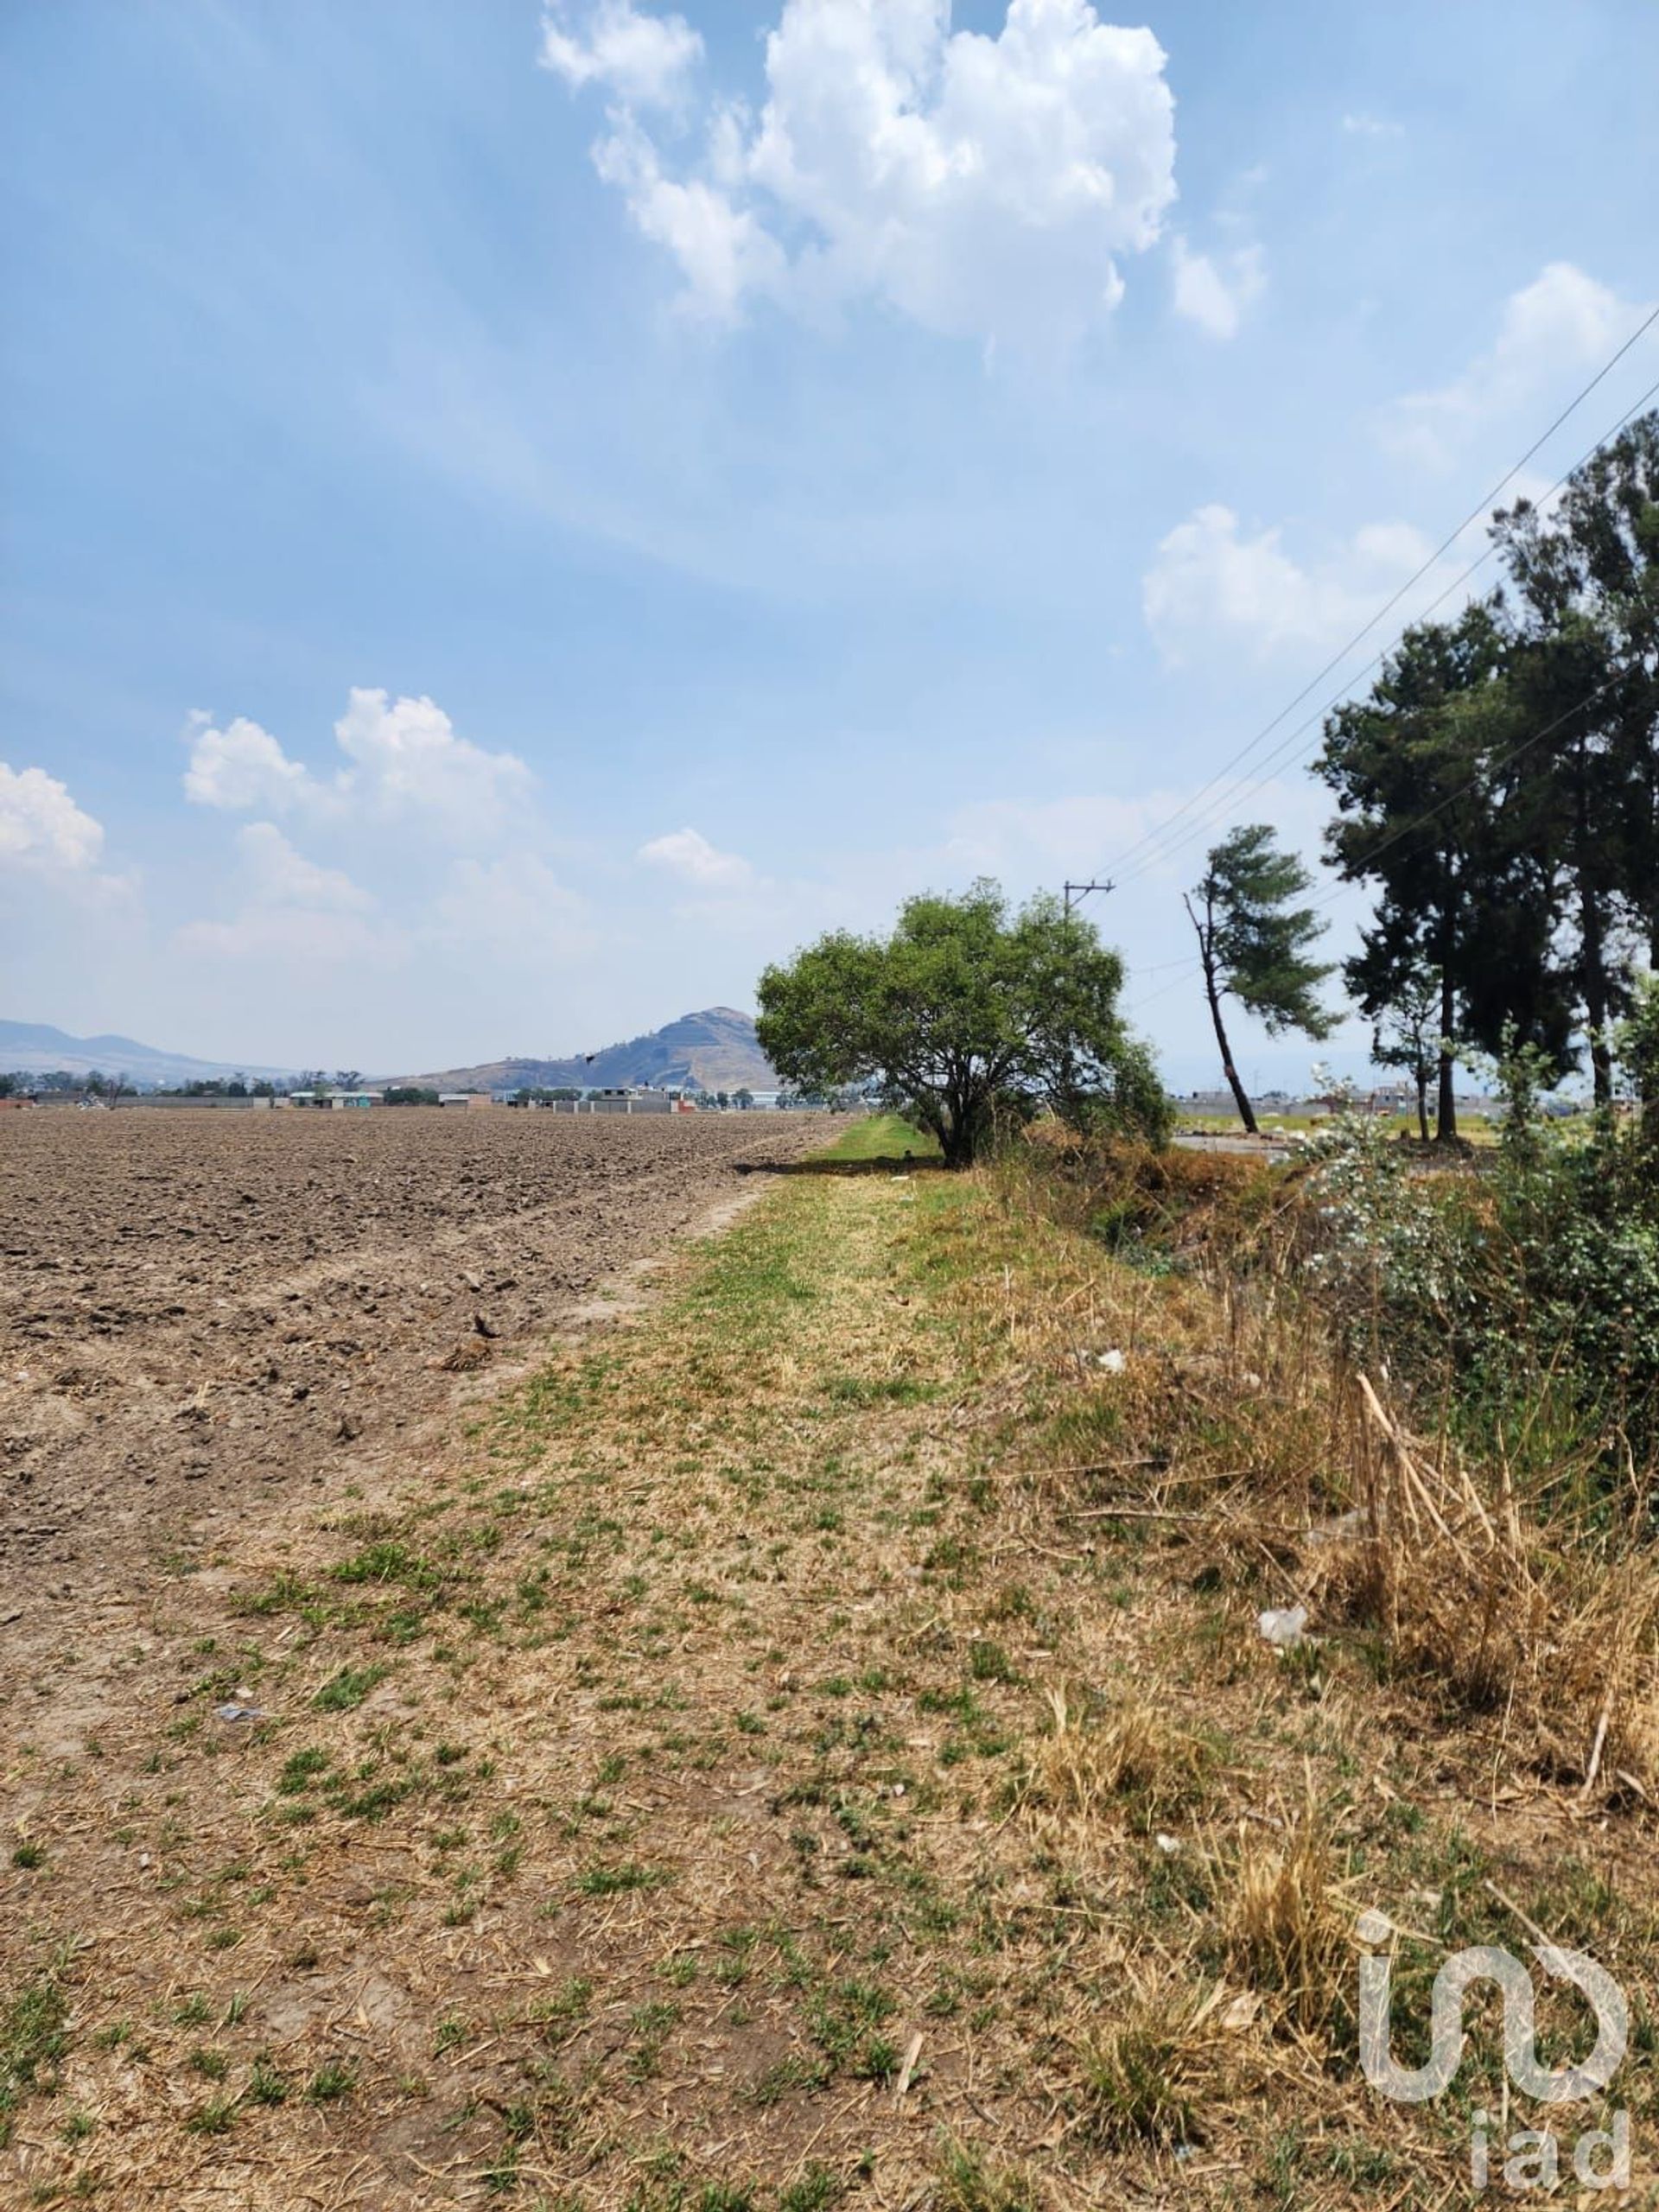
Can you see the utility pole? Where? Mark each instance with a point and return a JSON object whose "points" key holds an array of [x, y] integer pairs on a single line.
{"points": [[1081, 891]]}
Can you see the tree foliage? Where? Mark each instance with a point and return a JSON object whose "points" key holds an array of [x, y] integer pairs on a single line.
{"points": [[1499, 787], [1427, 813], [966, 1017], [1255, 945]]}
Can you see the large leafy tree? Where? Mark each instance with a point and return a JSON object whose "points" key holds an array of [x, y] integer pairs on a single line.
{"points": [[966, 1014], [1424, 769], [1587, 577], [1256, 944]]}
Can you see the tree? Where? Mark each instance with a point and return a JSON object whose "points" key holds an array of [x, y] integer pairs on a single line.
{"points": [[1406, 1027], [966, 1016], [1587, 579], [1424, 772], [743, 1097], [1253, 944]]}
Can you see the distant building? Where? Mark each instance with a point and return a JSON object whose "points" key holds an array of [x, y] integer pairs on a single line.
{"points": [[340, 1099]]}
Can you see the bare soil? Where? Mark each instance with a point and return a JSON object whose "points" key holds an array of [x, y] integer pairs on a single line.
{"points": [[202, 1311]]}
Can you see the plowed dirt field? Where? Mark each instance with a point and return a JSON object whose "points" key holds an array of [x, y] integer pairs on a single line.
{"points": [[202, 1311]]}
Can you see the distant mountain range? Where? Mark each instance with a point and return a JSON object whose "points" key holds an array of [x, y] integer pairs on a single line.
{"points": [[36, 1048], [716, 1049]]}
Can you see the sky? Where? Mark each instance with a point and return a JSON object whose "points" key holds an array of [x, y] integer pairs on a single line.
{"points": [[515, 518]]}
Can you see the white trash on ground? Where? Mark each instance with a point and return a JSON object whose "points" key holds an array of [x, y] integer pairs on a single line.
{"points": [[1284, 1627]]}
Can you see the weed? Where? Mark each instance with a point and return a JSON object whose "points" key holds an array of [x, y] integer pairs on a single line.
{"points": [[970, 2182], [345, 1691], [329, 2083], [214, 2117], [1142, 2078]]}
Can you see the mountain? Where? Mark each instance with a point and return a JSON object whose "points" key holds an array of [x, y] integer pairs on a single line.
{"points": [[35, 1048], [715, 1050]]}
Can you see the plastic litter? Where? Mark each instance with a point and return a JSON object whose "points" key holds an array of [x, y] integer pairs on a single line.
{"points": [[1284, 1627], [238, 1712], [1113, 1361]]}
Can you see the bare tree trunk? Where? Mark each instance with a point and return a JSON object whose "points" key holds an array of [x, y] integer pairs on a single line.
{"points": [[1423, 1101], [1211, 991], [1446, 1109], [1592, 934]]}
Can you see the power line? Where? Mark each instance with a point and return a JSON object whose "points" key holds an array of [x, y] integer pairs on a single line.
{"points": [[1480, 508], [1405, 829], [1491, 767], [1076, 893], [1247, 785]]}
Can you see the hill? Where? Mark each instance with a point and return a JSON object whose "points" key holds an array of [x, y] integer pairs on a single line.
{"points": [[36, 1048], [715, 1050]]}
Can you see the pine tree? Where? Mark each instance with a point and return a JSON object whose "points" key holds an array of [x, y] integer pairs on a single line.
{"points": [[1255, 944], [1428, 819], [1586, 578]]}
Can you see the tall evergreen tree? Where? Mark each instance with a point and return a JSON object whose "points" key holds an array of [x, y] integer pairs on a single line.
{"points": [[1255, 945], [1587, 581], [1424, 816]]}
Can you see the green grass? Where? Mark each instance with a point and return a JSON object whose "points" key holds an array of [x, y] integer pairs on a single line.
{"points": [[882, 1136]]}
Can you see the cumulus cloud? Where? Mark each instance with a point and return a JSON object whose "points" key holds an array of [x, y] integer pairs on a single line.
{"points": [[275, 874], [1563, 322], [1360, 125], [1215, 292], [407, 760], [688, 854], [243, 766], [983, 186], [292, 910], [1211, 580], [643, 59], [404, 760], [41, 828]]}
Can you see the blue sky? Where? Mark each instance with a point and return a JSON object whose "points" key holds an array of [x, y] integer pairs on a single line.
{"points": [[515, 518]]}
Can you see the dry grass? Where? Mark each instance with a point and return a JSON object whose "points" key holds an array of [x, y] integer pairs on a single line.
{"points": [[1103, 1756], [1288, 1923], [1154, 2072], [658, 1806]]}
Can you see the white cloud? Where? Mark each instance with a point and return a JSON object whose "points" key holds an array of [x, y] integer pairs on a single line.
{"points": [[644, 59], [983, 187], [513, 910], [725, 251], [293, 911], [41, 828], [688, 854], [275, 875], [1562, 323], [1212, 584], [1360, 125], [243, 766], [405, 762], [1214, 293]]}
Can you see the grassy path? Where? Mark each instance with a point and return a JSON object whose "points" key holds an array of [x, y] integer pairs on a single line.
{"points": [[738, 1779]]}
